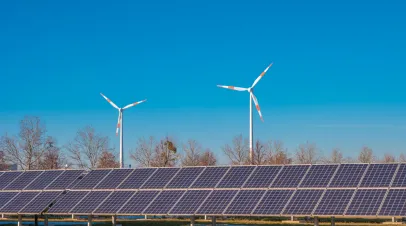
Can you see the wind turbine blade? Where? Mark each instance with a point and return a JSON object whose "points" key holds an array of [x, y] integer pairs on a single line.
{"points": [[108, 100], [133, 104], [261, 75], [233, 88], [118, 123], [257, 106]]}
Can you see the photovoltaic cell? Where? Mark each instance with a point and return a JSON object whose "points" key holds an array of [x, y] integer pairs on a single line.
{"points": [[245, 202], [210, 177], [40, 203], [91, 179], [44, 180], [67, 201], [348, 175], [138, 202], [114, 179], [379, 175], [290, 176], [23, 180], [334, 202], [114, 202], [217, 202], [164, 202], [262, 177], [7, 177], [15, 205], [366, 202], [395, 203], [185, 177], [190, 202], [400, 179], [236, 177], [65, 180], [303, 202], [137, 178], [273, 202], [5, 197], [318, 176], [160, 178], [90, 202]]}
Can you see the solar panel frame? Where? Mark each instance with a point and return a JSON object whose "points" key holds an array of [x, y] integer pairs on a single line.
{"points": [[160, 178], [6, 196], [23, 180], [217, 202], [299, 203], [66, 202], [182, 178], [263, 176], [137, 178], [379, 175], [394, 203], [348, 176], [66, 180], [8, 177], [366, 202], [273, 202], [319, 176], [43, 180], [400, 178], [92, 179], [164, 202], [190, 202], [210, 177], [19, 202], [236, 176], [138, 202], [334, 202], [244, 202], [116, 176], [91, 202], [290, 176], [40, 202], [114, 203]]}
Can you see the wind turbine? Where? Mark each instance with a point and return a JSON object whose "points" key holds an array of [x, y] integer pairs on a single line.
{"points": [[252, 97], [120, 123]]}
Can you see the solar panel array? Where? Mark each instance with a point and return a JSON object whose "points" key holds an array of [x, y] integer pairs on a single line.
{"points": [[278, 190]]}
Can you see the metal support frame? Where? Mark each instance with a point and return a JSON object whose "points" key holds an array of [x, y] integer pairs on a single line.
{"points": [[114, 220], [213, 220], [36, 220], [89, 220], [333, 221], [45, 220], [316, 221], [20, 220], [192, 220]]}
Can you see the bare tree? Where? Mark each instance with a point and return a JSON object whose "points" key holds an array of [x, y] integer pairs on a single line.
{"points": [[366, 155], [402, 158], [165, 153], [238, 153], [144, 152], [192, 153], [53, 157], [388, 158], [307, 153], [3, 162], [336, 157], [278, 154], [108, 160], [261, 153], [208, 158], [87, 147]]}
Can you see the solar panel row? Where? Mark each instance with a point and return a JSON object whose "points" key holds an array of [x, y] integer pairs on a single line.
{"points": [[27, 202]]}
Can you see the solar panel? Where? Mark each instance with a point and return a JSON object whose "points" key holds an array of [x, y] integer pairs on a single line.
{"points": [[185, 177], [40, 203], [160, 178], [91, 179], [210, 177], [379, 175], [90, 202], [138, 202], [366, 202], [114, 179], [334, 202], [348, 175], [7, 177], [273, 202], [290, 176], [394, 204], [400, 179], [164, 202], [65, 180], [137, 178], [245, 202], [44, 180], [114, 202], [15, 205], [190, 202], [262, 177], [303, 202], [318, 176], [67, 201], [22, 181], [5, 197], [236, 177], [217, 202]]}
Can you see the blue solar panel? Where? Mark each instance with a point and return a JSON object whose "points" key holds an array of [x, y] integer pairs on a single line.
{"points": [[217, 202], [15, 205], [91, 179], [262, 177], [114, 202], [23, 180], [190, 202], [400, 179], [164, 202], [379, 175], [348, 175], [185, 177], [394, 204], [290, 176], [90, 202], [236, 177], [5, 197], [44, 180], [334, 202], [67, 201], [138, 202], [273, 202], [114, 179], [160, 178], [366, 202], [40, 203], [318, 176], [7, 177], [65, 180], [303, 202], [210, 177], [137, 178], [245, 202]]}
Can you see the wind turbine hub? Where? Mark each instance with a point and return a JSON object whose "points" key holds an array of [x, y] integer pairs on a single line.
{"points": [[250, 90]]}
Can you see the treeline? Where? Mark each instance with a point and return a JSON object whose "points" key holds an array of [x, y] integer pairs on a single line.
{"points": [[33, 148]]}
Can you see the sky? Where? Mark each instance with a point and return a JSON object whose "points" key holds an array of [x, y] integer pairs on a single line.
{"points": [[337, 78]]}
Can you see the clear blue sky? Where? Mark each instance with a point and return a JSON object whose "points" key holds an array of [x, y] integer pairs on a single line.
{"points": [[338, 76]]}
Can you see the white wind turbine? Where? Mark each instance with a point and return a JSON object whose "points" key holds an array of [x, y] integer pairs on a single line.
{"points": [[120, 124], [252, 97]]}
